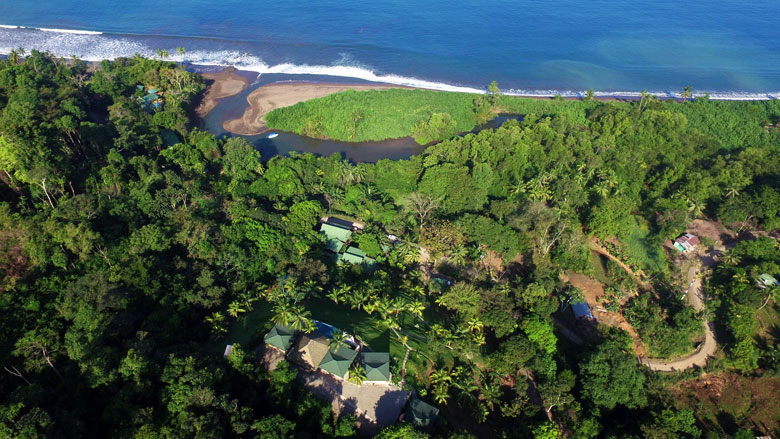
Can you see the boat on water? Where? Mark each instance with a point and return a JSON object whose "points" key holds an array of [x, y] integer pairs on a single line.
{"points": [[272, 135]]}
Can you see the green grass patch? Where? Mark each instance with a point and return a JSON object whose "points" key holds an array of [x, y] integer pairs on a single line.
{"points": [[372, 115], [641, 250], [249, 329]]}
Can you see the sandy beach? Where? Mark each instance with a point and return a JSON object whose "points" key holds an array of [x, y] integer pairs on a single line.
{"points": [[269, 97], [220, 85]]}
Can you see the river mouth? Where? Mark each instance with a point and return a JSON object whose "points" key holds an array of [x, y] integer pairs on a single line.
{"points": [[394, 149], [233, 107]]}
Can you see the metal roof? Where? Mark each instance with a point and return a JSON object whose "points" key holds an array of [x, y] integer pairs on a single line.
{"points": [[337, 361], [377, 365], [280, 337]]}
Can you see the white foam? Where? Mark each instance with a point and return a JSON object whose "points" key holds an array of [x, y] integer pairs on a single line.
{"points": [[70, 31], [94, 46]]}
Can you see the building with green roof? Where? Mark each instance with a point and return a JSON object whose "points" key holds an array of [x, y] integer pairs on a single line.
{"points": [[335, 236], [353, 255], [420, 414], [766, 280], [338, 361], [377, 366], [281, 337], [369, 264]]}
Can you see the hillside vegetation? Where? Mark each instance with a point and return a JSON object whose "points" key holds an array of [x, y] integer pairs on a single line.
{"points": [[128, 263]]}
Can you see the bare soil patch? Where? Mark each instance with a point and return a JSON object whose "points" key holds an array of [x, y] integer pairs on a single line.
{"points": [[593, 290], [728, 400]]}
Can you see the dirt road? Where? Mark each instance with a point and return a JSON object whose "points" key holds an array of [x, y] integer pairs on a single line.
{"points": [[709, 346]]}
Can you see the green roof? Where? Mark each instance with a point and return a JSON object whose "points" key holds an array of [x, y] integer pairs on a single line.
{"points": [[169, 137], [335, 232], [337, 362], [377, 365], [355, 251], [280, 337], [369, 264], [351, 258], [420, 414], [767, 279], [334, 245]]}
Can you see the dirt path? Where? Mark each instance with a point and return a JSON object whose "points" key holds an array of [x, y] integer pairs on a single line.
{"points": [[593, 290], [709, 346], [598, 248]]}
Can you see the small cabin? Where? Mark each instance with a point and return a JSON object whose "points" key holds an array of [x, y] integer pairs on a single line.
{"points": [[686, 242], [581, 310]]}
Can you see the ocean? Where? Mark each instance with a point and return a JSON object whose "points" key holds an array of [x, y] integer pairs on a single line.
{"points": [[531, 47]]}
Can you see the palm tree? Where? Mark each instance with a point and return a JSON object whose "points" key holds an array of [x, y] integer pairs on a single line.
{"points": [[687, 92], [589, 95], [301, 319], [410, 252], [217, 322], [13, 56], [466, 389], [730, 258], [416, 308], [441, 376], [732, 192], [282, 314], [475, 325], [247, 298], [359, 173], [162, 53], [643, 100], [695, 207], [371, 307], [441, 393], [234, 309], [336, 294], [180, 51], [540, 193], [741, 277], [356, 117], [358, 298], [385, 307], [337, 340], [772, 293], [357, 374], [491, 393], [458, 255], [345, 172], [481, 412]]}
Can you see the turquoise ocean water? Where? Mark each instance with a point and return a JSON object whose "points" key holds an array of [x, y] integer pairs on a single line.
{"points": [[725, 47]]}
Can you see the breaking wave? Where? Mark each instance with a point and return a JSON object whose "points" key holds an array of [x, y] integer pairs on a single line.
{"points": [[97, 46]]}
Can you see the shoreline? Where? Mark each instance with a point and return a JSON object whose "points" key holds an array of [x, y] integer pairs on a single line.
{"points": [[284, 94], [229, 82]]}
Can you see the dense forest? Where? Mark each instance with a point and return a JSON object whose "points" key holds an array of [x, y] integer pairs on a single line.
{"points": [[134, 247]]}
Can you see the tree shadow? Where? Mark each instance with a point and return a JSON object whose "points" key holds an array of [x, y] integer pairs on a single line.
{"points": [[727, 421]]}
